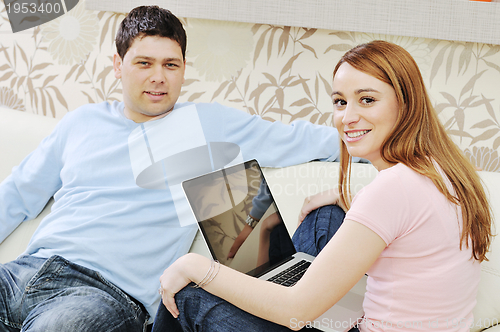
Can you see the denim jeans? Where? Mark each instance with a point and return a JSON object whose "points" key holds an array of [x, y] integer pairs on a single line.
{"points": [[317, 229], [38, 294], [202, 311]]}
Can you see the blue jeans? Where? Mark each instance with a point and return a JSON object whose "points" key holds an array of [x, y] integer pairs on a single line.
{"points": [[38, 294], [202, 311], [317, 229]]}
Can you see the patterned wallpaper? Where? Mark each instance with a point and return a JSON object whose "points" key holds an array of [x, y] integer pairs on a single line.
{"points": [[281, 73]]}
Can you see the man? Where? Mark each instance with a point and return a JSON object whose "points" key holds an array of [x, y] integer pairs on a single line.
{"points": [[114, 171]]}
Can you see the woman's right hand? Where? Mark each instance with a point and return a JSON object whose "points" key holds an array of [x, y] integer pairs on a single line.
{"points": [[186, 269], [329, 197]]}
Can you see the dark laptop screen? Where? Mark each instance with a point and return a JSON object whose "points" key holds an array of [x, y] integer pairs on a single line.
{"points": [[222, 200]]}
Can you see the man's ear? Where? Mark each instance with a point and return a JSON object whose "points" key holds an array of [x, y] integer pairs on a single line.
{"points": [[117, 65]]}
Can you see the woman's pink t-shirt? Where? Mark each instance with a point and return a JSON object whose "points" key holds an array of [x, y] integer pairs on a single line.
{"points": [[422, 281]]}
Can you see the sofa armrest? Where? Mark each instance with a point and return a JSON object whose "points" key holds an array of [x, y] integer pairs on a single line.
{"points": [[20, 133]]}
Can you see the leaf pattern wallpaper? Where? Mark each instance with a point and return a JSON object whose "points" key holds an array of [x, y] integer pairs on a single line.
{"points": [[278, 72]]}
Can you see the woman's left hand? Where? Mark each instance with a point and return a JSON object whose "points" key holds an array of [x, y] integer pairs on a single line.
{"points": [[328, 197], [173, 279]]}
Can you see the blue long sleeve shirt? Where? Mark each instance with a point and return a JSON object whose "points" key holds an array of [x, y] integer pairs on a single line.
{"points": [[102, 217]]}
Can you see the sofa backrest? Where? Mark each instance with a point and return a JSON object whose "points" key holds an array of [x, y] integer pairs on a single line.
{"points": [[487, 310], [291, 185]]}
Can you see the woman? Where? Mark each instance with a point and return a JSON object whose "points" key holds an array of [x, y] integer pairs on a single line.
{"points": [[419, 230]]}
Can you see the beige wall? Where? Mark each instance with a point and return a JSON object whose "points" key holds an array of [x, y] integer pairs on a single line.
{"points": [[280, 73]]}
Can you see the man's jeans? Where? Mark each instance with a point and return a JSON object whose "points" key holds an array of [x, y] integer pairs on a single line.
{"points": [[38, 294], [202, 311]]}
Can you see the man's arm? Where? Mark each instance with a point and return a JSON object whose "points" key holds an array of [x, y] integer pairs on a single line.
{"points": [[26, 191], [276, 144]]}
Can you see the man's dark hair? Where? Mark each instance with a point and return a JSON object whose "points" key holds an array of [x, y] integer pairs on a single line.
{"points": [[149, 21]]}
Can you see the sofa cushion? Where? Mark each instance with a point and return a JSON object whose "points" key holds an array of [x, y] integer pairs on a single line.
{"points": [[487, 310]]}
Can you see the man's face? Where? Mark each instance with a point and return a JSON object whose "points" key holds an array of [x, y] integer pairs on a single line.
{"points": [[152, 74]]}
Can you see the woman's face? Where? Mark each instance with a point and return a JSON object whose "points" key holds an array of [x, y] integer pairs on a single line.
{"points": [[365, 112]]}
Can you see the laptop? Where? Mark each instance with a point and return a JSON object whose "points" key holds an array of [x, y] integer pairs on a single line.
{"points": [[221, 201]]}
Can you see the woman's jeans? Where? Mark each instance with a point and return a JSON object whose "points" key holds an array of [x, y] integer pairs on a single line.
{"points": [[202, 311], [49, 295]]}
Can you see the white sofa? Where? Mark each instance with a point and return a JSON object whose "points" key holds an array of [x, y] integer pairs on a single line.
{"points": [[20, 133]]}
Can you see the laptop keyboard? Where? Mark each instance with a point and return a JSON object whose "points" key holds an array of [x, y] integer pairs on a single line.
{"points": [[290, 276]]}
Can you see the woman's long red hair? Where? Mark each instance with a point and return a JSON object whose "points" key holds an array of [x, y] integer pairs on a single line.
{"points": [[419, 139]]}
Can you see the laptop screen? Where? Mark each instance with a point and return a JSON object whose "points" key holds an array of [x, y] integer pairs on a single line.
{"points": [[221, 202]]}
